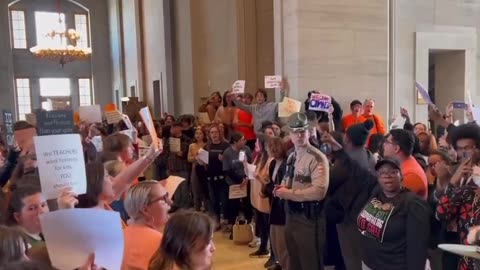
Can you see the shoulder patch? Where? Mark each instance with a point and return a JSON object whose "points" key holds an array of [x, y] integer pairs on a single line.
{"points": [[319, 156]]}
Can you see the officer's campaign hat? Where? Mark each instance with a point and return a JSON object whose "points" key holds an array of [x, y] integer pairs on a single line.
{"points": [[298, 122]]}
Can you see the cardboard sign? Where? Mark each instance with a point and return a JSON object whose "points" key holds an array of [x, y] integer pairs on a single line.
{"points": [[238, 87], [112, 114], [24, 138], [113, 117], [273, 81], [319, 102], [55, 122], [148, 120], [72, 235], [90, 114], [423, 92], [288, 107], [237, 192], [203, 118], [8, 123], [61, 164]]}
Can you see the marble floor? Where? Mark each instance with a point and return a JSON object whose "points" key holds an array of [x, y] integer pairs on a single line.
{"points": [[232, 257]]}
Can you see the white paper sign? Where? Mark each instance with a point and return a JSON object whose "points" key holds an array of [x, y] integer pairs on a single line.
{"points": [[148, 120], [113, 117], [171, 184], [237, 192], [319, 102], [90, 114], [203, 155], [251, 171], [273, 81], [61, 164], [241, 156], [97, 141], [127, 121], [238, 87], [288, 107], [72, 235], [175, 144], [398, 122]]}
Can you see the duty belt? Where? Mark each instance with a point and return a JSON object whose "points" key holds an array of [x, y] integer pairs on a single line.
{"points": [[310, 209], [215, 178]]}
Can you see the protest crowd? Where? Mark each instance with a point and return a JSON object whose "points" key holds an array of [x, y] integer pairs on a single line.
{"points": [[304, 188]]}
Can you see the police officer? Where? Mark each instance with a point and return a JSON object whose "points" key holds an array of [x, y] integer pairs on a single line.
{"points": [[304, 189]]}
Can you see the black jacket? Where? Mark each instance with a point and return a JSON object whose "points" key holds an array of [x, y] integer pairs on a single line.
{"points": [[277, 213]]}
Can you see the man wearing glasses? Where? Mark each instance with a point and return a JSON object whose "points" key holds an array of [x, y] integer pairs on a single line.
{"points": [[399, 145], [304, 189]]}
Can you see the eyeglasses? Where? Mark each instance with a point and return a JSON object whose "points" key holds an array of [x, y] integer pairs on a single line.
{"points": [[466, 148], [388, 173], [389, 142], [165, 198]]}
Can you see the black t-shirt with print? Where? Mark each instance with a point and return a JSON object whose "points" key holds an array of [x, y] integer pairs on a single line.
{"points": [[389, 226]]}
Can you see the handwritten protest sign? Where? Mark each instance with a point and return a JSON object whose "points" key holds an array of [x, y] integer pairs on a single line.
{"points": [[61, 164], [112, 114], [8, 124], [423, 92], [237, 192], [90, 114], [148, 120], [55, 122], [273, 81], [238, 87], [319, 102], [288, 107]]}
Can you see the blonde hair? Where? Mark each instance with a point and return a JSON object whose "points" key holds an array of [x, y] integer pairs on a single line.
{"points": [[114, 167], [138, 196]]}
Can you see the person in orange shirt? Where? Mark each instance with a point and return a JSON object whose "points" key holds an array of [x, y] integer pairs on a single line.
{"points": [[355, 117], [399, 145], [379, 126], [147, 204]]}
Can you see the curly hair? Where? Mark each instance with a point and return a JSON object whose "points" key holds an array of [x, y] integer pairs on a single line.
{"points": [[465, 131]]}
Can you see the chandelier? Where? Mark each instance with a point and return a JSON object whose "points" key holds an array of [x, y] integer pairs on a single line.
{"points": [[66, 50]]}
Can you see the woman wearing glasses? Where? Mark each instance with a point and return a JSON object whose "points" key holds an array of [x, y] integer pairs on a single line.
{"points": [[147, 204], [394, 223]]}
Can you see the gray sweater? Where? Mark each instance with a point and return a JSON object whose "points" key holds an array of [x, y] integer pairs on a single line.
{"points": [[267, 111]]}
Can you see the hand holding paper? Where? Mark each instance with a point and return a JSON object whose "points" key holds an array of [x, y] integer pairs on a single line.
{"points": [[67, 199]]}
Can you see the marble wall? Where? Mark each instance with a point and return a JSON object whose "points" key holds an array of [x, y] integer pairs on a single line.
{"points": [[450, 24], [337, 47]]}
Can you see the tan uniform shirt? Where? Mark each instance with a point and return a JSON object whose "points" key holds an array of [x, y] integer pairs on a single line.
{"points": [[310, 177]]}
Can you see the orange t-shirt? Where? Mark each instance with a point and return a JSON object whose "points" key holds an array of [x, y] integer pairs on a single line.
{"points": [[378, 126], [414, 178], [350, 120], [141, 243]]}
